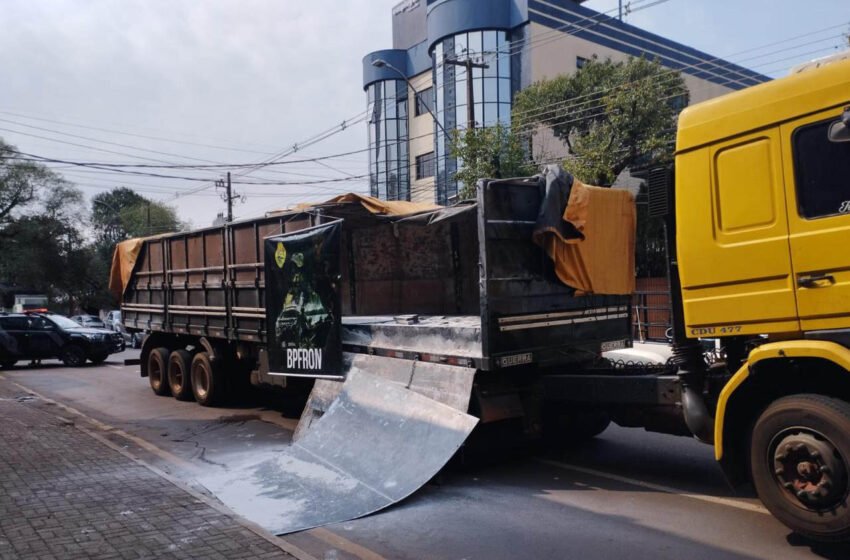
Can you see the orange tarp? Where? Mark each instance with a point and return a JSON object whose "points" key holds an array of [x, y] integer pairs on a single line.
{"points": [[604, 261], [123, 261], [376, 205]]}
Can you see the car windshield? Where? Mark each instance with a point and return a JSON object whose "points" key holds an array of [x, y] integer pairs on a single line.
{"points": [[63, 322]]}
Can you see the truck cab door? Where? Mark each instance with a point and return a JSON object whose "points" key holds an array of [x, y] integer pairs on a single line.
{"points": [[817, 179]]}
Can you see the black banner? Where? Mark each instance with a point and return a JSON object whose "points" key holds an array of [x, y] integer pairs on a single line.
{"points": [[303, 302]]}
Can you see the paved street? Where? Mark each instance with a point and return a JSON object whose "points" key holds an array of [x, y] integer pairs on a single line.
{"points": [[627, 493]]}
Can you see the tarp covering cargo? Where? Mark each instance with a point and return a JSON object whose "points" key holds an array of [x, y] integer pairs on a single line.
{"points": [[590, 236]]}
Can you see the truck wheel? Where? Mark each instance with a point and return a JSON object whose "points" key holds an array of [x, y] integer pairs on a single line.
{"points": [[158, 370], [7, 364], [799, 457], [73, 356], [207, 380], [179, 366]]}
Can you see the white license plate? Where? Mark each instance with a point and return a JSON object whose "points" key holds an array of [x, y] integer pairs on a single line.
{"points": [[515, 360], [614, 345]]}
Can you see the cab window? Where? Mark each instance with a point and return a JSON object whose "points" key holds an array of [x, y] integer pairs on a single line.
{"points": [[13, 323], [40, 324], [822, 172]]}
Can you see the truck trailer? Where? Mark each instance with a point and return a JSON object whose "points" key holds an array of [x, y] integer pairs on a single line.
{"points": [[417, 324]]}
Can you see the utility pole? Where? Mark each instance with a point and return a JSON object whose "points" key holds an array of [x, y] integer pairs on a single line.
{"points": [[470, 93], [228, 195]]}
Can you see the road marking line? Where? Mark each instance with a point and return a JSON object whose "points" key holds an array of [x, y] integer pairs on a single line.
{"points": [[344, 544], [729, 502], [115, 367]]}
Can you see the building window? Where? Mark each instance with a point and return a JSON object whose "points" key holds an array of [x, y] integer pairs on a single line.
{"points": [[424, 101], [821, 170], [492, 91], [389, 171], [581, 62], [425, 166]]}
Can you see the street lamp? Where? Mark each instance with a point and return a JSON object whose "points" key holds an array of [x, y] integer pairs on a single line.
{"points": [[381, 63]]}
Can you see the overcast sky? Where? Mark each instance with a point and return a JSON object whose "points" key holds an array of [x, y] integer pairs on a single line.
{"points": [[155, 81]]}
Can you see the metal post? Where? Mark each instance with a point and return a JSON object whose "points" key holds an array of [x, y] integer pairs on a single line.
{"points": [[229, 200], [470, 92]]}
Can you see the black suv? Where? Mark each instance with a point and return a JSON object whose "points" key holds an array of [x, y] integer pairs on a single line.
{"points": [[37, 336]]}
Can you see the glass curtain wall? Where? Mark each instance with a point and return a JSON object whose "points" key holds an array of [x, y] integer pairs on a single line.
{"points": [[389, 169], [491, 93]]}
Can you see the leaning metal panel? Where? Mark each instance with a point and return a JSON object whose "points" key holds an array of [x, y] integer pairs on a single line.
{"points": [[377, 443]]}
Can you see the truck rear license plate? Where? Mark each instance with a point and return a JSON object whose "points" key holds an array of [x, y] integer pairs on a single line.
{"points": [[515, 360], [614, 345]]}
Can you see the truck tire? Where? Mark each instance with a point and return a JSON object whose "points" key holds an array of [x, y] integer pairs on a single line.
{"points": [[179, 378], [800, 464], [8, 364], [73, 356], [158, 371], [207, 380]]}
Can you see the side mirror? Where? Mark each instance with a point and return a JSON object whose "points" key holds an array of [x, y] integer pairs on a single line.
{"points": [[839, 131]]}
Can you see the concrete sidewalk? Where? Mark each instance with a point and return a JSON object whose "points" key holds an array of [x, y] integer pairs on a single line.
{"points": [[66, 495]]}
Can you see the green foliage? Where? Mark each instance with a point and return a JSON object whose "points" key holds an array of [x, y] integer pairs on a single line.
{"points": [[122, 214], [610, 115], [492, 152], [44, 236], [22, 183]]}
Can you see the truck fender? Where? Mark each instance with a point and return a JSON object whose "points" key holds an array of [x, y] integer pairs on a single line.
{"points": [[208, 347], [829, 351]]}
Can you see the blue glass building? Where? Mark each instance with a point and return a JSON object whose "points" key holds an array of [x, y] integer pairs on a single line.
{"points": [[520, 42]]}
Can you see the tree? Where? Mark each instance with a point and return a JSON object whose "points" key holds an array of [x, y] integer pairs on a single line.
{"points": [[121, 214], [610, 115], [106, 210], [492, 152], [22, 183]]}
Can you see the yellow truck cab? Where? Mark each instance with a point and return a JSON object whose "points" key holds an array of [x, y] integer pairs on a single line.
{"points": [[762, 248]]}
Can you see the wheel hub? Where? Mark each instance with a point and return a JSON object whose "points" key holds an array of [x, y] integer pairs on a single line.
{"points": [[810, 469]]}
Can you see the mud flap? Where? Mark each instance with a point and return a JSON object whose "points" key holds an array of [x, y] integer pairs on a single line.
{"points": [[376, 444]]}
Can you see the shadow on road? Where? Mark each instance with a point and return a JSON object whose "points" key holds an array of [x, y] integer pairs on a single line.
{"points": [[830, 551]]}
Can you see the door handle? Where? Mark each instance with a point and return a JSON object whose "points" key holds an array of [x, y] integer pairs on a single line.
{"points": [[816, 281]]}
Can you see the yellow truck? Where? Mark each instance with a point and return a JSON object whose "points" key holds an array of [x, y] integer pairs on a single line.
{"points": [[760, 228]]}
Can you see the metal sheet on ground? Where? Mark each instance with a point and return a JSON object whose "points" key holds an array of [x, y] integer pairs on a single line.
{"points": [[377, 443]]}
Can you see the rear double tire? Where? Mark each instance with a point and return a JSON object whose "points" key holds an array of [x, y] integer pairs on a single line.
{"points": [[208, 384], [158, 371], [179, 377], [800, 464]]}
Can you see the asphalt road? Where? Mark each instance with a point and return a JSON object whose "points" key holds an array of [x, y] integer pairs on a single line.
{"points": [[628, 493]]}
